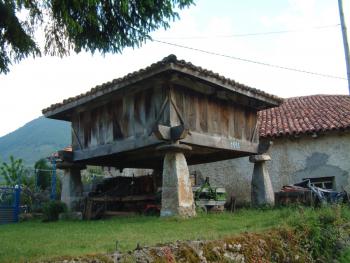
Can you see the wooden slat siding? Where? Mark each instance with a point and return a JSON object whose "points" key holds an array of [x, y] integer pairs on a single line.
{"points": [[196, 109], [213, 117], [94, 128], [224, 118], [231, 120], [125, 116], [101, 125], [203, 113], [150, 112], [190, 101], [129, 102], [239, 122], [81, 131], [75, 127], [85, 127], [157, 101], [164, 95], [117, 119], [250, 124], [170, 110], [109, 123], [178, 99], [139, 112]]}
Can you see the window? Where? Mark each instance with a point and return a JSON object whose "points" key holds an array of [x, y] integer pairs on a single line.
{"points": [[322, 182]]}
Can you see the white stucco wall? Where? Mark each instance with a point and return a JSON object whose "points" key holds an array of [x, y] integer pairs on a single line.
{"points": [[292, 160]]}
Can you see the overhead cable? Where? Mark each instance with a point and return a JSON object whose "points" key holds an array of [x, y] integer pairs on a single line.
{"points": [[255, 33], [251, 61]]}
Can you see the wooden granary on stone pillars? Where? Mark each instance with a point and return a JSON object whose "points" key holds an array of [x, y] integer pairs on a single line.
{"points": [[164, 117]]}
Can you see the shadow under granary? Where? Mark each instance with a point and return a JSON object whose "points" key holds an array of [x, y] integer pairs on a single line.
{"points": [[163, 117]]}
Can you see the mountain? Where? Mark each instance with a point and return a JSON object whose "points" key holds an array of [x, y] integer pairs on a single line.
{"points": [[35, 140]]}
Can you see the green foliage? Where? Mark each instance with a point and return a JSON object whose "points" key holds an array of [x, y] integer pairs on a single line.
{"points": [[95, 25], [344, 256], [16, 36], [92, 174], [43, 174], [321, 231], [52, 210], [13, 172]]}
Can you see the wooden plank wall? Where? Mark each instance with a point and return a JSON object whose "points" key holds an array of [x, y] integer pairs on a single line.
{"points": [[133, 114], [209, 115], [123, 116]]}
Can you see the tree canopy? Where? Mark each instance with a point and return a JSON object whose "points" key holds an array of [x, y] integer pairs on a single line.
{"points": [[90, 25], [13, 172], [43, 174]]}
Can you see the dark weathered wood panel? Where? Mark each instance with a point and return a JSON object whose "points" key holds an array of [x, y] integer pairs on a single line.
{"points": [[251, 119], [139, 113], [211, 115], [224, 119], [190, 101], [117, 109], [203, 114], [133, 113], [125, 115], [239, 123], [231, 121]]}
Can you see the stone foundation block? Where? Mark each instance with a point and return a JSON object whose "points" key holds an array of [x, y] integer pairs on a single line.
{"points": [[177, 197], [262, 191], [72, 188]]}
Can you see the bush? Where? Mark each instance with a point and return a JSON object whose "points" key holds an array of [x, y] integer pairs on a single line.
{"points": [[52, 210]]}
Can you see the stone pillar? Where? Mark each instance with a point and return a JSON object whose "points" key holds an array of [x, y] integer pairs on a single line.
{"points": [[72, 187], [262, 191], [177, 196]]}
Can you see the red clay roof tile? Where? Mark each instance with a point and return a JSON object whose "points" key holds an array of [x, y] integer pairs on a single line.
{"points": [[299, 115]]}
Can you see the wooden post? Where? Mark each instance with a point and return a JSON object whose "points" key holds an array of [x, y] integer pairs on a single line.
{"points": [[345, 41]]}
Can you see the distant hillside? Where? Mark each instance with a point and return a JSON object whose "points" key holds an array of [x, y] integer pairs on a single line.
{"points": [[35, 140]]}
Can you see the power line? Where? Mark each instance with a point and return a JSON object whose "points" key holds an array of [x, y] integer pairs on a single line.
{"points": [[251, 61], [254, 34]]}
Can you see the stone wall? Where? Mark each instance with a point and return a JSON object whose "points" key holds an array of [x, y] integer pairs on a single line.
{"points": [[292, 160]]}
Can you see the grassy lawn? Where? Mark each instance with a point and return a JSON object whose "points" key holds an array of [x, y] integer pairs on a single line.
{"points": [[34, 240]]}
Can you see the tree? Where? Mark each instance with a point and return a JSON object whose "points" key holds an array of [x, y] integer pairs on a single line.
{"points": [[14, 172], [90, 25], [43, 174]]}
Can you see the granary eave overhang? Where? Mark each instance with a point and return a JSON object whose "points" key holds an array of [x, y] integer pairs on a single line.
{"points": [[62, 110], [266, 100]]}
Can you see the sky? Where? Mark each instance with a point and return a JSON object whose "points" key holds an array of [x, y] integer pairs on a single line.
{"points": [[314, 43]]}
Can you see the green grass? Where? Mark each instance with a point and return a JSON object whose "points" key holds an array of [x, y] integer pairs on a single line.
{"points": [[345, 256], [34, 240]]}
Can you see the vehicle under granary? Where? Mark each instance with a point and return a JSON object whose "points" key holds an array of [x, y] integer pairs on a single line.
{"points": [[164, 117]]}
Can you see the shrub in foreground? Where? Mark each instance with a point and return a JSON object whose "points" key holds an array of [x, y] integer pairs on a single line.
{"points": [[52, 210]]}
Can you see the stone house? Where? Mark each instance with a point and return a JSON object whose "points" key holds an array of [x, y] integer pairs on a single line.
{"points": [[311, 139]]}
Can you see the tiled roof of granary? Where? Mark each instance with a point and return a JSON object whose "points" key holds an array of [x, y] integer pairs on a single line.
{"points": [[171, 59], [306, 115]]}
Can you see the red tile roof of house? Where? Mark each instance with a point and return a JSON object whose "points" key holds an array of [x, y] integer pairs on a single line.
{"points": [[303, 115]]}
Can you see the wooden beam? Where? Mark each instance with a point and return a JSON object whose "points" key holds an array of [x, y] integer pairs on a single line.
{"points": [[116, 147], [162, 132], [206, 140]]}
